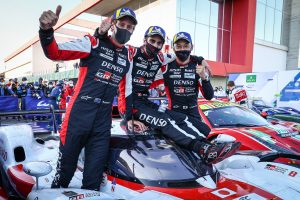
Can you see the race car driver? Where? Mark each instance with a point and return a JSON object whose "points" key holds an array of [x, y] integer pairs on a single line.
{"points": [[183, 79], [134, 103], [103, 63]]}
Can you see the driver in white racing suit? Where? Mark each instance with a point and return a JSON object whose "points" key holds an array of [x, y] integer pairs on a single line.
{"points": [[237, 94]]}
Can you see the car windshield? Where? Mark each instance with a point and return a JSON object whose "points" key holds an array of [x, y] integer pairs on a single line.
{"points": [[236, 116], [279, 111]]}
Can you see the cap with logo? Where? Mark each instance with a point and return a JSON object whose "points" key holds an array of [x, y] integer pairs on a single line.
{"points": [[155, 30], [123, 12], [182, 36]]}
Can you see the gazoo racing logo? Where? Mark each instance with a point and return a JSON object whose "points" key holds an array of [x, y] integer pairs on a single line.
{"points": [[139, 80], [153, 120], [276, 168], [104, 75], [179, 90]]}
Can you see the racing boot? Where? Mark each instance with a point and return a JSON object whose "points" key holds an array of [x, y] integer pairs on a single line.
{"points": [[214, 153]]}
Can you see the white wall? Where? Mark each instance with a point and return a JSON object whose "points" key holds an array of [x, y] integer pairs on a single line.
{"points": [[269, 57], [24, 70], [19, 60]]}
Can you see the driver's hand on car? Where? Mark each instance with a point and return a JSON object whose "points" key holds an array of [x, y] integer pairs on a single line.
{"points": [[49, 19], [136, 126]]}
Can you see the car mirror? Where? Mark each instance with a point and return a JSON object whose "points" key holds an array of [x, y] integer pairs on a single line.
{"points": [[37, 169], [264, 114]]}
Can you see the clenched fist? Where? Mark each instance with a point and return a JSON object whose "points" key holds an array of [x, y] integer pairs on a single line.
{"points": [[49, 19]]}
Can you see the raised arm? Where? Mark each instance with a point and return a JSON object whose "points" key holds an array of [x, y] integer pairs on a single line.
{"points": [[76, 49]]}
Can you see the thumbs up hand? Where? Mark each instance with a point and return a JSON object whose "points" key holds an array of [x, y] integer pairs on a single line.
{"points": [[49, 19]]}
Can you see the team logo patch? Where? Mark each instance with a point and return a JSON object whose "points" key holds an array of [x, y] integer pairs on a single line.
{"points": [[104, 75], [175, 76], [121, 61], [106, 56], [189, 75]]}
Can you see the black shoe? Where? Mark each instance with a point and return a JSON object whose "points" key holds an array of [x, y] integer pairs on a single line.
{"points": [[214, 153]]}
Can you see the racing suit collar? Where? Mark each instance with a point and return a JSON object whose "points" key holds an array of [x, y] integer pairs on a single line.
{"points": [[182, 64], [115, 43], [145, 55]]}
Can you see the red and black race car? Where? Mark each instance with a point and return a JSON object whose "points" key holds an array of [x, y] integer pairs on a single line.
{"points": [[246, 126]]}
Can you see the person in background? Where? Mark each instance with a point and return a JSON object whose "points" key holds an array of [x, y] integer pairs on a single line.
{"points": [[70, 87], [22, 92], [54, 99], [35, 91], [10, 82], [4, 89], [48, 89], [14, 86], [237, 94], [63, 97]]}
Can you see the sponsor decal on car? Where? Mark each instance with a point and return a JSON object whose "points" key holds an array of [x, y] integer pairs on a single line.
{"points": [[293, 173], [251, 196], [261, 135], [216, 105], [223, 193], [283, 132], [74, 196], [276, 168]]}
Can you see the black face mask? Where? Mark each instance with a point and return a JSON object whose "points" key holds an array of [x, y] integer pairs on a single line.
{"points": [[151, 50], [183, 55], [122, 36]]}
